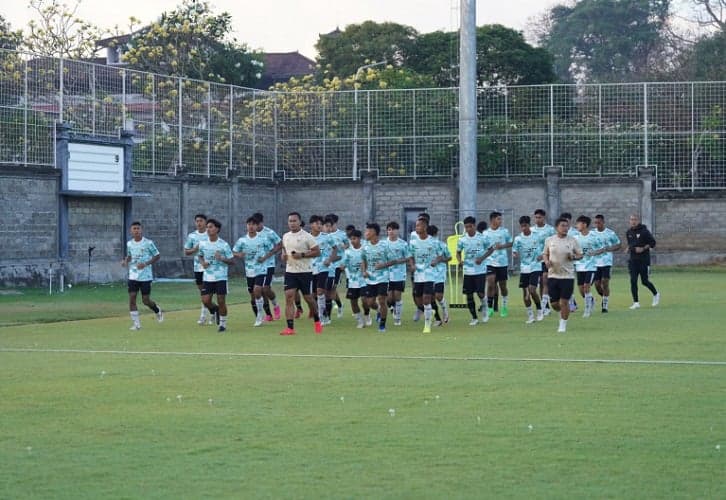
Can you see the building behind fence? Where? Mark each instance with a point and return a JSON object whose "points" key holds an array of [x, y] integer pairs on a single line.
{"points": [[198, 128]]}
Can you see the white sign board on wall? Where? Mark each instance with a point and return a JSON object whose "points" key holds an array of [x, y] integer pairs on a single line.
{"points": [[95, 168]]}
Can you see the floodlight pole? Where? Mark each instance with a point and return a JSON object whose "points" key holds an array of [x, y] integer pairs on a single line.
{"points": [[467, 110], [355, 105]]}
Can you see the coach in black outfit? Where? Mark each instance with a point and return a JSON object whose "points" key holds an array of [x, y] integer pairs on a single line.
{"points": [[640, 241]]}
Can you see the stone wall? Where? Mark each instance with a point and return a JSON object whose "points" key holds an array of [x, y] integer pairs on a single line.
{"points": [[30, 205]]}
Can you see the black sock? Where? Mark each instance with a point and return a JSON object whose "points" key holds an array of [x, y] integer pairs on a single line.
{"points": [[290, 324], [437, 317], [266, 307], [316, 317], [338, 303], [328, 307], [154, 307], [471, 305], [254, 307], [382, 323], [490, 302], [298, 304]]}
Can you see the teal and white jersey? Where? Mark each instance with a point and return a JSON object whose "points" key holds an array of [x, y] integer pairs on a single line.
{"points": [[399, 250], [441, 267], [352, 259], [193, 240], [473, 247], [341, 240], [217, 270], [253, 248], [573, 232], [326, 244], [588, 243], [500, 236], [272, 239], [140, 251], [543, 232], [528, 248], [608, 237], [376, 254], [423, 253]]}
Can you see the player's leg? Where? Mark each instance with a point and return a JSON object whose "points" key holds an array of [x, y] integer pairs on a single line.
{"points": [[291, 297], [502, 277], [146, 299], [221, 290], [491, 289], [645, 280], [382, 305], [258, 295], [329, 295], [426, 296], [199, 282], [440, 299], [534, 281], [526, 296], [353, 294], [133, 288], [269, 293], [634, 271]]}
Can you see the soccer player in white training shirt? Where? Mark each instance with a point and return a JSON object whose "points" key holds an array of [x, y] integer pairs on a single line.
{"points": [[274, 242], [424, 257], [141, 254], [216, 256], [472, 249], [397, 272], [498, 263], [444, 256], [298, 249], [374, 267], [543, 231], [586, 267], [560, 253], [191, 247], [251, 247], [352, 259], [528, 247], [604, 259]]}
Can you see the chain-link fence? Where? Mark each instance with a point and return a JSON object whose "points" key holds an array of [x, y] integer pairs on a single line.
{"points": [[207, 129]]}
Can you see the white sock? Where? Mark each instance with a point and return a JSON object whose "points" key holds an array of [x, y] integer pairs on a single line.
{"points": [[605, 300], [321, 305], [563, 324], [223, 321], [358, 317], [589, 300], [135, 317], [444, 307], [398, 308], [260, 308], [203, 313], [530, 313], [505, 300], [273, 302], [428, 312], [545, 301]]}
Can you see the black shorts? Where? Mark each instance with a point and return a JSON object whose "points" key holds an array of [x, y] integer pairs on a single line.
{"points": [[354, 293], [585, 277], [500, 273], [144, 286], [474, 283], [199, 277], [439, 287], [560, 289], [397, 286], [425, 288], [299, 281], [376, 290], [214, 287], [258, 280], [323, 281], [602, 273], [267, 277], [530, 279], [338, 274]]}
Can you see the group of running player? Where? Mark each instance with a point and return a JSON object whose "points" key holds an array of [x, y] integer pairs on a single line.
{"points": [[550, 259]]}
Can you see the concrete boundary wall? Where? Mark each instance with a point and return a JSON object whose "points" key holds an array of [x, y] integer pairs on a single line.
{"points": [[29, 202]]}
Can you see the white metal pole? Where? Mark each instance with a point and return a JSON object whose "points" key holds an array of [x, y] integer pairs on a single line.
{"points": [[467, 110]]}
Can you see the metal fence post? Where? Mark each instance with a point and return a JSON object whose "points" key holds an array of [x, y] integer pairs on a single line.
{"points": [[92, 78], [323, 127], [26, 97], [694, 156], [179, 130], [60, 92], [276, 149], [415, 142], [123, 99], [231, 126], [209, 130], [599, 127], [368, 119], [552, 127], [153, 124], [645, 128]]}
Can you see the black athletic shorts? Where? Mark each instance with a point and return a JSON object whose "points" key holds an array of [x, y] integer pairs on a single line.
{"points": [[324, 281], [530, 279], [299, 281], [474, 283], [199, 277], [585, 277], [354, 293], [214, 287], [560, 289], [268, 276], [439, 287], [376, 290], [602, 273], [338, 273], [423, 288], [258, 280], [501, 273], [144, 286], [397, 286]]}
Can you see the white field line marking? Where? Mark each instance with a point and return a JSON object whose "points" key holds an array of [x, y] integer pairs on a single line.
{"points": [[369, 356]]}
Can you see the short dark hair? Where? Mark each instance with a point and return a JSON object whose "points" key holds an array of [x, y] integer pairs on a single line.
{"points": [[540, 211], [566, 215], [432, 230], [355, 233], [525, 219], [423, 219], [375, 226], [215, 223], [469, 220], [328, 220], [200, 216], [494, 214], [482, 226], [258, 217], [424, 215], [332, 217], [315, 218], [585, 219], [560, 220], [289, 214], [252, 219], [600, 216], [135, 223], [393, 225], [350, 227]]}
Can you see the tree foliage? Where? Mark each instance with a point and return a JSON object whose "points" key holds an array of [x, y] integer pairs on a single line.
{"points": [[9, 39], [607, 40], [59, 32], [192, 41]]}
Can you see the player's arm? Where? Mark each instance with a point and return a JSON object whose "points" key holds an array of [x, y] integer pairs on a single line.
{"points": [[227, 257], [150, 262], [273, 251], [546, 256], [576, 252], [190, 248]]}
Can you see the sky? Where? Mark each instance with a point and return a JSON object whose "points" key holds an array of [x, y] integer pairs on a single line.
{"points": [[290, 25]]}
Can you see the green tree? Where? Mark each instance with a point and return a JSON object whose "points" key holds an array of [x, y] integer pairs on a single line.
{"points": [[706, 59], [343, 52], [59, 32], [193, 42], [437, 54], [607, 40], [9, 39]]}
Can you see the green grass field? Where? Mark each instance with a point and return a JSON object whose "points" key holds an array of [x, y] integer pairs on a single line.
{"points": [[625, 405]]}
